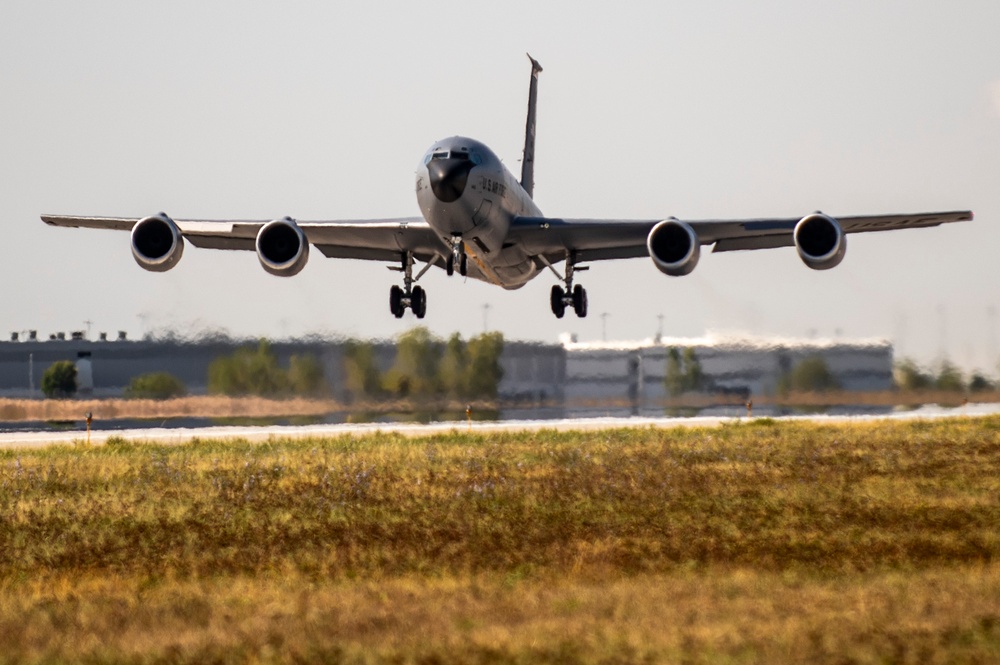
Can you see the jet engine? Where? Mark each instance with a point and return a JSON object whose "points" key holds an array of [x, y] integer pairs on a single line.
{"points": [[282, 247], [157, 243], [820, 241], [674, 247]]}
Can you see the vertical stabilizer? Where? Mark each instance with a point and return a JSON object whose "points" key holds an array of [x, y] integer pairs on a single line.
{"points": [[528, 159]]}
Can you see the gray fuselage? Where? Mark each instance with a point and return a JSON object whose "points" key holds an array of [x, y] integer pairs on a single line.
{"points": [[466, 193]]}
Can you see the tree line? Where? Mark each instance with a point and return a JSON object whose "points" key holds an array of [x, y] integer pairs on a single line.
{"points": [[255, 371], [910, 376], [427, 367]]}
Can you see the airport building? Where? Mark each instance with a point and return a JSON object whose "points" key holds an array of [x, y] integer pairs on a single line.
{"points": [[570, 373], [532, 373], [635, 373], [106, 366]]}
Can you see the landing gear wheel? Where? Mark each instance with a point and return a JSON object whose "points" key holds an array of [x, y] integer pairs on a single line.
{"points": [[580, 300], [418, 301], [450, 265], [396, 301], [463, 265], [557, 302]]}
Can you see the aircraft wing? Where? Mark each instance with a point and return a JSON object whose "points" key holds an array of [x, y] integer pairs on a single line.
{"points": [[370, 239], [601, 239]]}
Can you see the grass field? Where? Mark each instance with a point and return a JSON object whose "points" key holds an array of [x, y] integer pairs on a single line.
{"points": [[745, 543]]}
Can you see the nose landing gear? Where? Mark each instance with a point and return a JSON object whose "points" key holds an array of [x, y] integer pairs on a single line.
{"points": [[571, 296], [457, 257]]}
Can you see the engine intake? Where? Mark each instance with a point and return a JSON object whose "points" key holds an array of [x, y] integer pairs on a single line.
{"points": [[157, 243], [674, 247], [820, 241], [282, 247]]}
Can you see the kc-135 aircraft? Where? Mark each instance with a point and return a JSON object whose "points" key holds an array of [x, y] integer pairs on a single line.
{"points": [[477, 219]]}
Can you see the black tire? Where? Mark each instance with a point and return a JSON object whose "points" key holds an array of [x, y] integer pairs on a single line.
{"points": [[556, 301], [463, 264], [396, 301], [580, 300], [418, 301], [450, 265]]}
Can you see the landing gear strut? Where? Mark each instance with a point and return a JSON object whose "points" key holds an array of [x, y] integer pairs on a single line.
{"points": [[457, 257], [571, 296], [409, 295]]}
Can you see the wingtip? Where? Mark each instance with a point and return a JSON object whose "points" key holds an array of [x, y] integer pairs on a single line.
{"points": [[535, 66]]}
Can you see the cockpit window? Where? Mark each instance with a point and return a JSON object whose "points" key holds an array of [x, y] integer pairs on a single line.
{"points": [[462, 155]]}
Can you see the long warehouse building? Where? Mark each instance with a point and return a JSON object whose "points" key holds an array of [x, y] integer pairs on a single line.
{"points": [[533, 373]]}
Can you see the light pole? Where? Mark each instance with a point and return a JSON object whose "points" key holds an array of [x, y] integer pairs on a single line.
{"points": [[943, 320], [991, 331], [486, 311]]}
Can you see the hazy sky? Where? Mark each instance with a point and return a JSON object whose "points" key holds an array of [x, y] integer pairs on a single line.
{"points": [[692, 109]]}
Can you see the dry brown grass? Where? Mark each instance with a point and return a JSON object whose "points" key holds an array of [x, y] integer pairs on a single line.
{"points": [[214, 406], [888, 398], [208, 406], [718, 615], [202, 406], [881, 398], [753, 542]]}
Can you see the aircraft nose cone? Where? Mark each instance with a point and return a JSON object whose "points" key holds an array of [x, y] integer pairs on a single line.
{"points": [[448, 178]]}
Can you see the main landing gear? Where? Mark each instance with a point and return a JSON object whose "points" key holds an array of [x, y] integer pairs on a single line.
{"points": [[571, 296], [408, 295]]}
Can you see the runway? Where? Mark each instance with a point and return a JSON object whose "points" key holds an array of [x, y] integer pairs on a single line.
{"points": [[40, 439]]}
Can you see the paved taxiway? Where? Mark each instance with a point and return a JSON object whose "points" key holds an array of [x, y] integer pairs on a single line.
{"points": [[10, 440]]}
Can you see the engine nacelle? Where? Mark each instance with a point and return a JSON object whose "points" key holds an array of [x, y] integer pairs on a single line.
{"points": [[282, 247], [820, 241], [674, 247], [157, 243]]}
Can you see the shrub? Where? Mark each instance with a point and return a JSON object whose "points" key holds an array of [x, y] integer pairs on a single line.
{"points": [[59, 380], [426, 368], [979, 383], [250, 371], [949, 378], [361, 373], [454, 367], [484, 371], [155, 385], [305, 376], [810, 375], [415, 372], [683, 373], [909, 376], [247, 372]]}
